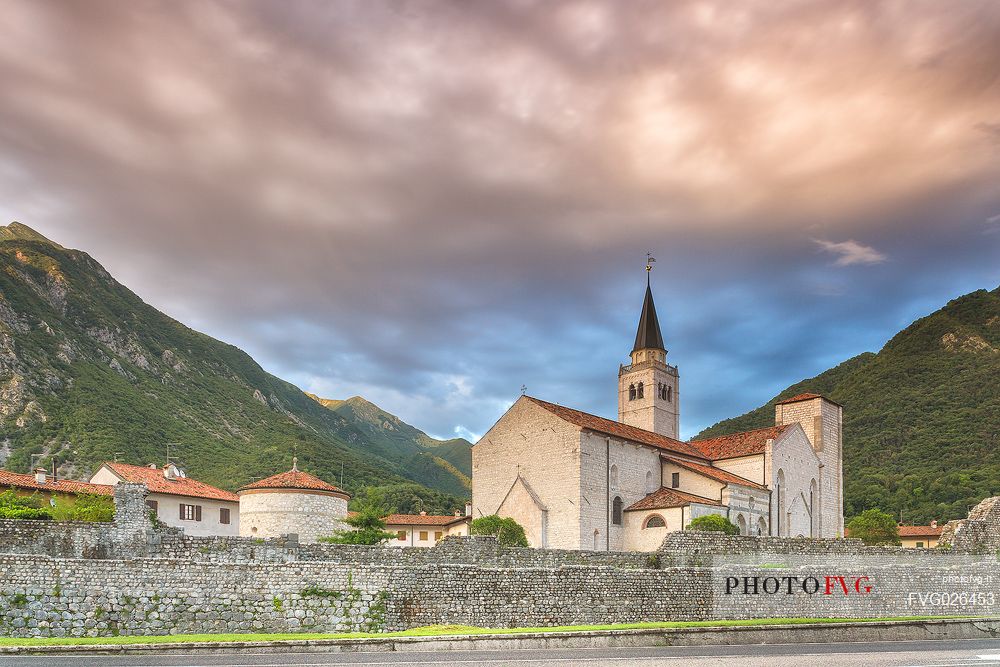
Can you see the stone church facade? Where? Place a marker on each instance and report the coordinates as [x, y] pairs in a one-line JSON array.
[[579, 481]]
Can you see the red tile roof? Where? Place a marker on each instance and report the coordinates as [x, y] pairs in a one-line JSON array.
[[664, 497], [608, 427], [738, 444], [22, 481], [423, 519], [156, 483], [717, 474], [920, 531], [805, 397], [911, 531], [294, 479]]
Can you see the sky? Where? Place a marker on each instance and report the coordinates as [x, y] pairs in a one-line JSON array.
[[433, 203]]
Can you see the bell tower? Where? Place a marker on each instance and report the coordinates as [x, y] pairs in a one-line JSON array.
[[648, 396]]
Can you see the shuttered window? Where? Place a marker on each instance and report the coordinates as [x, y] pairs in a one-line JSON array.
[[190, 512], [224, 515]]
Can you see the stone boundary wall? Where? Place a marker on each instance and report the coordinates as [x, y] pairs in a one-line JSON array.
[[43, 596], [131, 577]]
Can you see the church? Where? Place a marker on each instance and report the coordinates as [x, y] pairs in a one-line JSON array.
[[578, 481]]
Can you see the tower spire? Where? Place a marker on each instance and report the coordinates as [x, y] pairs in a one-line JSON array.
[[648, 336]]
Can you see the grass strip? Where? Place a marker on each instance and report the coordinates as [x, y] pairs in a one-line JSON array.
[[431, 631]]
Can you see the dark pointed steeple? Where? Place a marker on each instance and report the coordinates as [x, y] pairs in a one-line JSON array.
[[648, 336]]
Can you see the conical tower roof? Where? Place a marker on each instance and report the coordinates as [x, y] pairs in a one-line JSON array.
[[648, 336]]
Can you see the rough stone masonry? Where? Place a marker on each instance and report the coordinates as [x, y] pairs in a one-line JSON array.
[[130, 577]]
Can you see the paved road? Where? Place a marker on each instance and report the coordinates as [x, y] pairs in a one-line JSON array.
[[882, 654]]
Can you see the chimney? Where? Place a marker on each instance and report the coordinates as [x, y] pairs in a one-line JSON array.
[[468, 509], [422, 513], [458, 512], [40, 475], [934, 523]]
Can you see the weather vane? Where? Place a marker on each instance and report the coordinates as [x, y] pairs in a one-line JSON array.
[[649, 265], [524, 390]]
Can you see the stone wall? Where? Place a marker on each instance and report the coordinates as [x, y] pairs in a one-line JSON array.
[[140, 579], [979, 533]]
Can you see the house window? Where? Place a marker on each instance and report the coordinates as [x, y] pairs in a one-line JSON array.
[[401, 535], [224, 515], [631, 392], [655, 521], [920, 545], [423, 535], [675, 480], [616, 511], [153, 505], [190, 512], [437, 535], [638, 391]]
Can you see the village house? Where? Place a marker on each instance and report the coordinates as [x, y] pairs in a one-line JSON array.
[[920, 537], [574, 480], [425, 530], [50, 489], [178, 500]]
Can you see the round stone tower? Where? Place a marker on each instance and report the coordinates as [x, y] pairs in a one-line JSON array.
[[292, 502]]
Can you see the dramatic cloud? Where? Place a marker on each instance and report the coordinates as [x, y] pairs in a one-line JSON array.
[[852, 252], [432, 203]]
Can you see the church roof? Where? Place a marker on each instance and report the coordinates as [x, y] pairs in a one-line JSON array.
[[664, 497], [718, 474], [617, 429], [294, 479], [738, 444], [648, 335]]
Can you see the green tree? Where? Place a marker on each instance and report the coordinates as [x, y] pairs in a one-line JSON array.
[[874, 527], [508, 532], [714, 523], [367, 527]]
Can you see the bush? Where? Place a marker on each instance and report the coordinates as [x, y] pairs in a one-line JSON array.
[[508, 532], [874, 527], [368, 527], [13, 506], [714, 523], [85, 507]]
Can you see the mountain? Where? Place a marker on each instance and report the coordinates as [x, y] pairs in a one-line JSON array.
[[921, 417], [89, 372], [439, 464]]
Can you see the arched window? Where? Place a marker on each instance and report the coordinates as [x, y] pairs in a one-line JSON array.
[[742, 523], [614, 477], [761, 526], [638, 391], [649, 481], [616, 511], [631, 392], [597, 540], [655, 521], [670, 394], [663, 391]]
